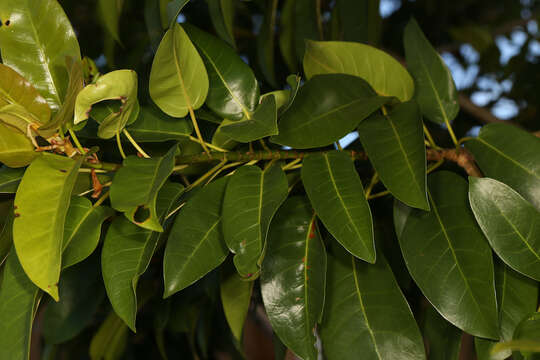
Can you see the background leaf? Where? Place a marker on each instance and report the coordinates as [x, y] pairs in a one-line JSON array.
[[222, 14], [154, 126], [442, 338], [110, 341], [10, 179], [266, 42]]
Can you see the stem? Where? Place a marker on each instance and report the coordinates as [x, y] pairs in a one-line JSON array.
[[180, 167], [465, 139], [380, 194], [135, 145], [451, 132], [373, 182], [101, 199], [76, 141], [228, 166], [291, 164], [197, 131], [119, 143], [429, 137], [207, 174], [435, 166], [213, 147], [264, 146]]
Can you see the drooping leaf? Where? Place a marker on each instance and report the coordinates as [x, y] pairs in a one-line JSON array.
[[251, 200], [109, 13], [443, 339], [235, 297], [82, 230], [449, 258], [385, 74], [435, 89], [336, 193], [357, 294], [293, 277], [263, 123], [109, 342], [327, 108], [154, 126], [195, 245], [10, 179], [360, 20], [14, 89], [38, 231], [286, 36], [126, 254], [120, 85], [81, 292], [511, 224], [510, 155], [266, 42], [395, 146], [19, 299], [35, 44], [233, 91], [178, 79], [16, 149], [135, 187], [222, 15]]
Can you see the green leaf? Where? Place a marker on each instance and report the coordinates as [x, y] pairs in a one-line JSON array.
[[222, 15], [528, 330], [36, 43], [235, 297], [400, 214], [286, 36], [109, 342], [154, 126], [82, 230], [511, 224], [174, 8], [384, 73], [222, 140], [16, 149], [233, 91], [263, 123], [360, 20], [195, 245], [251, 200], [126, 254], [118, 85], [310, 122], [266, 42], [305, 26], [14, 89], [336, 193], [64, 320], [366, 313], [395, 146], [510, 155], [178, 79], [293, 277], [449, 258], [443, 339], [49, 177], [135, 188], [6, 232], [10, 179], [109, 13], [435, 89], [19, 299]]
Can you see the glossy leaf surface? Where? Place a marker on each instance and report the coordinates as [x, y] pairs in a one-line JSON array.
[[36, 43], [234, 91], [235, 297], [135, 188], [293, 277], [385, 74], [510, 155], [178, 79], [326, 108], [336, 193], [395, 146], [449, 258], [435, 89], [196, 245], [366, 313], [251, 200], [126, 254], [38, 231], [154, 126]]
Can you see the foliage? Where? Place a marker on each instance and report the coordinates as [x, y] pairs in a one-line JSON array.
[[198, 185]]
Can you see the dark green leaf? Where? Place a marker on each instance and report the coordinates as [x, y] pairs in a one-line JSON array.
[[528, 330], [10, 179], [510, 223], [135, 188], [251, 200], [449, 258], [195, 245], [336, 193], [306, 26], [286, 36], [266, 42], [360, 20], [110, 341], [395, 146], [400, 214], [222, 15], [310, 122], [435, 89], [366, 313], [6, 232], [154, 126], [510, 155], [109, 13], [293, 277], [442, 338], [234, 91], [174, 8]]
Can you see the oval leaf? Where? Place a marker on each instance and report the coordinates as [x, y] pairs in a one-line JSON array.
[[449, 258], [251, 200], [384, 73], [395, 146], [310, 122], [336, 193], [16, 149], [293, 277]]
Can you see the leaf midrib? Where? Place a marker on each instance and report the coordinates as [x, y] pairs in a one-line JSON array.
[[501, 153]]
